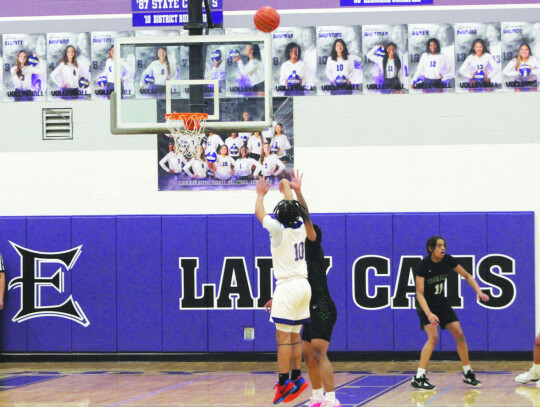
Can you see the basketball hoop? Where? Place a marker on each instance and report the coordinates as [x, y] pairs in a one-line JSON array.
[[187, 130]]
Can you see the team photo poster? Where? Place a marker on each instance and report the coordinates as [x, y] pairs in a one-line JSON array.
[[327, 60], [235, 160]]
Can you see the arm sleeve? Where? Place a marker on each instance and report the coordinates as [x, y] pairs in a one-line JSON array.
[[187, 168], [56, 75], [510, 69], [258, 166], [372, 56], [465, 69], [146, 72], [162, 162], [281, 166], [420, 67]]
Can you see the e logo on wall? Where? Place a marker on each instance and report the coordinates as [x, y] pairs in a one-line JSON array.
[[32, 283]]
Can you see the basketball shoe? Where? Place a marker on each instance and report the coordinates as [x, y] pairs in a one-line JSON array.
[[421, 383], [283, 391], [530, 376], [314, 402], [328, 403], [300, 384], [470, 378]]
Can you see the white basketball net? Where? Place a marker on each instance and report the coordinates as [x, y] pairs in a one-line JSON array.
[[187, 130]]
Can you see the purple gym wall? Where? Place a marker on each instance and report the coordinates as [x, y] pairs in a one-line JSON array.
[[193, 283]]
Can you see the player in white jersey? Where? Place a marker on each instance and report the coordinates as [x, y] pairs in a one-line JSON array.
[[279, 144], [253, 70], [480, 67], [213, 142], [293, 73], [234, 143], [290, 303], [25, 77], [155, 76], [434, 68], [68, 74], [197, 167], [390, 65], [254, 145], [245, 166], [106, 78], [339, 67], [175, 160], [215, 68], [224, 164], [272, 166], [523, 69]]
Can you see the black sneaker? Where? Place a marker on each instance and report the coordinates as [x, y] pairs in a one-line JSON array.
[[421, 383], [470, 378]]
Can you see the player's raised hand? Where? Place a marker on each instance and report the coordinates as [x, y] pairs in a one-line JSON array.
[[483, 297], [263, 185], [296, 180]]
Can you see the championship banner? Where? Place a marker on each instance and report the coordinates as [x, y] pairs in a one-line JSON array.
[[431, 50], [154, 65], [102, 48], [231, 161], [294, 61], [387, 58], [68, 58], [478, 57], [77, 284], [521, 50], [339, 60], [25, 67]]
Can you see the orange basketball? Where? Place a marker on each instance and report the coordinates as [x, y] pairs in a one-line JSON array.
[[266, 19]]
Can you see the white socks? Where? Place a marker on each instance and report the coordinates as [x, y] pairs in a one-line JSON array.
[[318, 394], [536, 368], [466, 369], [331, 396], [420, 372]]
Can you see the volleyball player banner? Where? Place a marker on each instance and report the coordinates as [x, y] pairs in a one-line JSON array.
[[520, 56], [103, 55], [387, 58], [68, 59], [478, 57], [25, 67], [235, 160], [294, 61], [431, 50], [339, 60]]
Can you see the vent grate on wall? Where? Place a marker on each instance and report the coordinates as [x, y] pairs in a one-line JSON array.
[[58, 124]]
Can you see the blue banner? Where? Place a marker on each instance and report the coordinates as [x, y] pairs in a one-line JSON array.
[[169, 5], [170, 19], [360, 3]]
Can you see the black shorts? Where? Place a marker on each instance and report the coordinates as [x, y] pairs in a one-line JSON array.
[[319, 327], [444, 312]]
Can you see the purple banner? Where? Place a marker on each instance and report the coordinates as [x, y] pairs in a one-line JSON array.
[[170, 19], [370, 3], [174, 283]]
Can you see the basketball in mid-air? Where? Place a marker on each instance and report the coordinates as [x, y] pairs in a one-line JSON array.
[[266, 19]]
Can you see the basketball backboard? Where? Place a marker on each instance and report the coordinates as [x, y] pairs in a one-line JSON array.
[[226, 76]]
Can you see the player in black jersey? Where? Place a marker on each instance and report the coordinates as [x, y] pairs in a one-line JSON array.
[[433, 308], [323, 313]]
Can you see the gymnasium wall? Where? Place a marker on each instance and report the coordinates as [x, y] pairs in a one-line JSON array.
[[194, 283], [366, 159]]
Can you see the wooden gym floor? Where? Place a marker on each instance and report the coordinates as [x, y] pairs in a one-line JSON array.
[[168, 384]]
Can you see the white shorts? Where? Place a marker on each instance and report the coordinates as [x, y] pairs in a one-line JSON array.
[[290, 305]]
